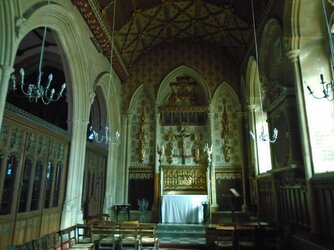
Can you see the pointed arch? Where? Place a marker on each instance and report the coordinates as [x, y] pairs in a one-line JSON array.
[[226, 88], [182, 70], [140, 93], [252, 82], [107, 82], [62, 22]]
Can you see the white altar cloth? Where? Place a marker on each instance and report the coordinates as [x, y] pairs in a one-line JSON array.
[[182, 208]]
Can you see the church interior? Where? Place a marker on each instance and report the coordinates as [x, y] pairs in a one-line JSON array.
[[120, 119]]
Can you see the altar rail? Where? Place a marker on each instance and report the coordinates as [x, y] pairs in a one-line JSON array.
[[184, 179]]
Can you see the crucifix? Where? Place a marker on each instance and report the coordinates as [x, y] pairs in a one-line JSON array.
[[182, 136]]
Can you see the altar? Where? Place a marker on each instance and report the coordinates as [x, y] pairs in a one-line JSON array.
[[182, 208]]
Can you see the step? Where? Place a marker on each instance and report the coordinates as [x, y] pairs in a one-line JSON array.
[[181, 234]]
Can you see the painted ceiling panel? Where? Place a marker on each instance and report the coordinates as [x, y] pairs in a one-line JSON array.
[[141, 25]]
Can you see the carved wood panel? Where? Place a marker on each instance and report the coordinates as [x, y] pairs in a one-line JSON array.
[[184, 179], [33, 160]]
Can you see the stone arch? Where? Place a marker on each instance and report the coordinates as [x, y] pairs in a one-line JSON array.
[[252, 82], [271, 58], [105, 83], [62, 22], [140, 92]]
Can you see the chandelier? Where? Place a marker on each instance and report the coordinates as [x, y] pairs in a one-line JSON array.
[[263, 136], [93, 135], [106, 138], [38, 91], [327, 88]]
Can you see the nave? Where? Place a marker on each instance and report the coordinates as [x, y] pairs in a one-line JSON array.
[[147, 105], [99, 233]]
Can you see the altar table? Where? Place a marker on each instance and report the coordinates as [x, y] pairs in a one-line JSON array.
[[182, 208]]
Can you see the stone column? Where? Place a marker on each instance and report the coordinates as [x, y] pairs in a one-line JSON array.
[[253, 161], [126, 151], [112, 181], [245, 167], [157, 170], [72, 210], [293, 56], [5, 72], [213, 205]]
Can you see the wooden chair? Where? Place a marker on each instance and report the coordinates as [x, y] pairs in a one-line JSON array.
[[129, 235], [51, 241], [107, 235], [69, 240], [40, 243], [83, 234], [147, 236]]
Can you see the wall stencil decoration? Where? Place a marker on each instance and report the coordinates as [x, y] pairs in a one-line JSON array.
[[226, 127], [225, 135], [141, 135]]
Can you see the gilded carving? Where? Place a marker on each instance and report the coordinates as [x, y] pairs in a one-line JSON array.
[[225, 124], [227, 150], [184, 178], [141, 134], [182, 92], [169, 151], [225, 135], [169, 137]]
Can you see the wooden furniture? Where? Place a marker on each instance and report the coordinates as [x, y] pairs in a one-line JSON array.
[[220, 236], [122, 207], [129, 235], [69, 239], [147, 236], [106, 234]]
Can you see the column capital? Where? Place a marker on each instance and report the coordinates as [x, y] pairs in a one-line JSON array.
[[5, 71], [293, 55], [251, 107]]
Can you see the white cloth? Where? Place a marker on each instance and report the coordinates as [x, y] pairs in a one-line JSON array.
[[182, 208]]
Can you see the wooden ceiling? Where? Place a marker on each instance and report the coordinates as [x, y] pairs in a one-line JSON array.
[[140, 25]]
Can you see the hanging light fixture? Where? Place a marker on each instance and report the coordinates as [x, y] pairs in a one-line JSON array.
[[327, 87], [38, 91], [93, 135], [263, 136]]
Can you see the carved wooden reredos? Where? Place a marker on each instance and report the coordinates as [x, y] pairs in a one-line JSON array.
[[179, 118], [183, 134]]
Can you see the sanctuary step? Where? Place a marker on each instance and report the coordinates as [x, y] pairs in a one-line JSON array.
[[181, 236]]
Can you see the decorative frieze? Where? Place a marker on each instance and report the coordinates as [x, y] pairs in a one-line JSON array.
[[184, 178]]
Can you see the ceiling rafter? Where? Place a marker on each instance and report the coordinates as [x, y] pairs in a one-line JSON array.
[[166, 21]]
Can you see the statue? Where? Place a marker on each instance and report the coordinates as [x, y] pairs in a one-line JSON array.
[[208, 151]]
